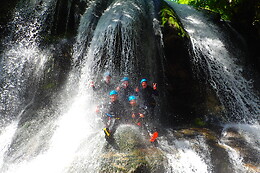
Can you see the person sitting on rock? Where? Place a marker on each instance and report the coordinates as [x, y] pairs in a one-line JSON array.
[[135, 112]]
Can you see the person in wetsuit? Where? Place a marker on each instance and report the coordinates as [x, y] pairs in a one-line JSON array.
[[125, 90], [138, 114], [105, 85], [112, 114], [135, 113], [146, 94]]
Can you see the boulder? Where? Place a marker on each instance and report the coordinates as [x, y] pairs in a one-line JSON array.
[[131, 151]]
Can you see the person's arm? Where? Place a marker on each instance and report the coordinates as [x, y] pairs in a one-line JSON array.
[[118, 88], [155, 91], [93, 86], [101, 108], [142, 112], [137, 90]]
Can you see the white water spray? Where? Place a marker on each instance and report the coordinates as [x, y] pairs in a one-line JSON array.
[[23, 61], [192, 156], [71, 139], [213, 54]]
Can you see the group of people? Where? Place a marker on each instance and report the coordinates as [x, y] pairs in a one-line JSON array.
[[126, 104]]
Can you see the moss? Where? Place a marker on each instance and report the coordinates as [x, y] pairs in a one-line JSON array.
[[49, 86], [134, 154], [169, 18], [192, 132], [138, 160], [199, 122], [123, 162]]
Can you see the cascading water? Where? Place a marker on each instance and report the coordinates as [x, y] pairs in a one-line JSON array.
[[120, 36], [22, 61], [214, 55], [215, 58], [193, 152], [72, 142], [127, 35], [23, 64]]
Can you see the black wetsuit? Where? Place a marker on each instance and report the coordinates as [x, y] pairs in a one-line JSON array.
[[117, 111], [136, 110], [124, 93], [147, 99]]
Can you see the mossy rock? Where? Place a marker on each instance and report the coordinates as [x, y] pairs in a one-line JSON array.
[[193, 132], [134, 154], [168, 17], [129, 137]]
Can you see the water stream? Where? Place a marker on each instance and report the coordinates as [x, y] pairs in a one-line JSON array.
[[216, 58], [123, 37]]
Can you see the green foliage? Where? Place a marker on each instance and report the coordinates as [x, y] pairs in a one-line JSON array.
[[234, 10], [168, 17], [223, 7]]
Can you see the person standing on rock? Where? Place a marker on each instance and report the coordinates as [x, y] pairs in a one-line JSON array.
[[112, 114], [105, 86], [125, 90], [138, 113], [146, 94]]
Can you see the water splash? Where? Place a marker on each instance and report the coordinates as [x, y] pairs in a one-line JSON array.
[[117, 39], [214, 58], [23, 62], [6, 135], [186, 155], [242, 145]]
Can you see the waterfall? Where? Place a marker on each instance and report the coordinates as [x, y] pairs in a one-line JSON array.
[[66, 136], [216, 59], [116, 46], [63, 133], [22, 61]]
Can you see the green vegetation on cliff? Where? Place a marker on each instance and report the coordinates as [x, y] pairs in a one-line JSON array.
[[234, 10], [169, 17]]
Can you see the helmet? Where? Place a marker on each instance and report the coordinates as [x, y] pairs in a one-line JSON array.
[[113, 92], [143, 80], [131, 98], [107, 74], [125, 79]]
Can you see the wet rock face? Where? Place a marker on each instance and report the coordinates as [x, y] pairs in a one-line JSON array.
[[238, 140], [67, 16], [179, 77], [129, 138], [188, 95], [134, 153], [215, 147], [231, 150]]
